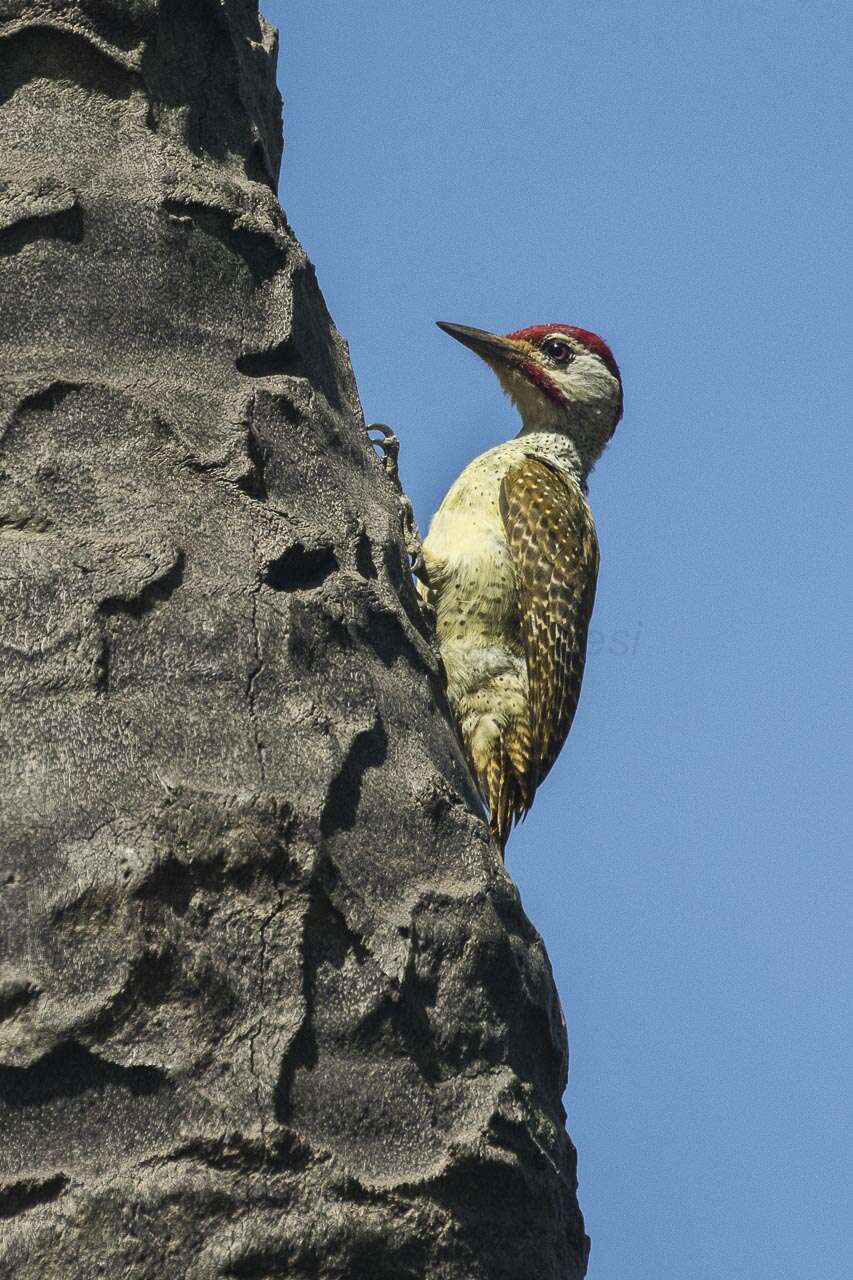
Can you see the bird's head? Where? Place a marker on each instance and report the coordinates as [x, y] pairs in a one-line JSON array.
[[560, 378]]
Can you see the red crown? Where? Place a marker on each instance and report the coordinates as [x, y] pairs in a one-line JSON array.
[[591, 341]]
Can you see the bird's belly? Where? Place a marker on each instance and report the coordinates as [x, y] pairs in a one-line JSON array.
[[474, 592], [475, 595], [484, 680]]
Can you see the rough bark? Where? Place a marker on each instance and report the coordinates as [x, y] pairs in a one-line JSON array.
[[269, 1005]]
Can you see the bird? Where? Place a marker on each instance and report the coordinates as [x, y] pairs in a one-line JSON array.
[[510, 562]]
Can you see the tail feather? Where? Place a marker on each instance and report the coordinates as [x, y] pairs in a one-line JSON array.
[[507, 785]]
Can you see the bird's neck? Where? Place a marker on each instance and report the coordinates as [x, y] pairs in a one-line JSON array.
[[584, 429], [555, 447]]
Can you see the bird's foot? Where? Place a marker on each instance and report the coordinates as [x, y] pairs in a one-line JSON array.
[[389, 446], [412, 537]]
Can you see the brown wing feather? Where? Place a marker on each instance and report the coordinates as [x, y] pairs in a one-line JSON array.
[[554, 548]]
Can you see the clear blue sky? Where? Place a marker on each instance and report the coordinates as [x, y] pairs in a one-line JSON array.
[[671, 176]]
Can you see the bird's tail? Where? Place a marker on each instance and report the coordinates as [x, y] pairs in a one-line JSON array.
[[508, 786]]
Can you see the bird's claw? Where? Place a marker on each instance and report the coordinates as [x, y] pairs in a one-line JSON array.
[[389, 445], [390, 448], [411, 535]]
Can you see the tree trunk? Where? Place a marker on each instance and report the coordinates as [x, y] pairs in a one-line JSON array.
[[269, 1005]]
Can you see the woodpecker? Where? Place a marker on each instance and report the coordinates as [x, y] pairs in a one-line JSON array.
[[510, 562]]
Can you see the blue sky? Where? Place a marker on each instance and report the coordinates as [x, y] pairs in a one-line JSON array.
[[671, 176]]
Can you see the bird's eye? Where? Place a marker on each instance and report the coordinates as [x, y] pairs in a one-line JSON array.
[[559, 351]]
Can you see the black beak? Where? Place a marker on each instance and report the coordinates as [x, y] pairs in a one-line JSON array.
[[491, 346]]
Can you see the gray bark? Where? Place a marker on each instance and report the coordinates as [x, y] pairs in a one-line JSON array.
[[269, 1004]]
